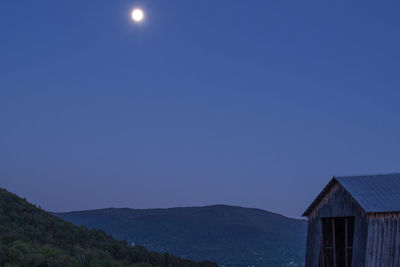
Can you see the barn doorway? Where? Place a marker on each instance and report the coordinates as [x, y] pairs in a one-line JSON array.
[[337, 241]]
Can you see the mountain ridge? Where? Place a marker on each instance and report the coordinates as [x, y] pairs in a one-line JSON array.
[[177, 208], [230, 235]]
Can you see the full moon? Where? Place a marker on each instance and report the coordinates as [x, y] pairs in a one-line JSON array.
[[137, 15]]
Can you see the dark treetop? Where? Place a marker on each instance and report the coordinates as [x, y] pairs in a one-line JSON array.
[[30, 236]]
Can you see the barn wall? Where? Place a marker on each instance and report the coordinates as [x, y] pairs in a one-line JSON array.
[[383, 243], [336, 203]]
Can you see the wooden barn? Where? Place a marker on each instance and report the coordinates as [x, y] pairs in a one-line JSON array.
[[355, 221]]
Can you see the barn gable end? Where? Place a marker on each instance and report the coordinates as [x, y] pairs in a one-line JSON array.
[[336, 202]]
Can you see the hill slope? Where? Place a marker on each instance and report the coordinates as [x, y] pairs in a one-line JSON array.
[[30, 236], [233, 236]]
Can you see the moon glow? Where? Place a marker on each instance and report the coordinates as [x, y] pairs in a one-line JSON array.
[[137, 15]]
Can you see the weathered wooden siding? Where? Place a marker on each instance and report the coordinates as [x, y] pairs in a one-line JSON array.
[[383, 243], [336, 203]]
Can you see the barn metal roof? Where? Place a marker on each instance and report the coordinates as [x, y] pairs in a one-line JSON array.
[[374, 193]]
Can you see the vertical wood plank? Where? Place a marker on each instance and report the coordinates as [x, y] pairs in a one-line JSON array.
[[334, 243]]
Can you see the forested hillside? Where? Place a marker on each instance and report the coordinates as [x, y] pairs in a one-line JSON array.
[[232, 236], [30, 236]]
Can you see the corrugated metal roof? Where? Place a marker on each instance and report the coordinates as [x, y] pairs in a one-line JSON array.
[[374, 193]]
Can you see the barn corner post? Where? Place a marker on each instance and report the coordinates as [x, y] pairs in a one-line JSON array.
[[313, 251]]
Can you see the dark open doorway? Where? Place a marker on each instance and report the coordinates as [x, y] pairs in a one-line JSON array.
[[337, 241]]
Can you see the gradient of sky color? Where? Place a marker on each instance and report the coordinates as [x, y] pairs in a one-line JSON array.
[[251, 103]]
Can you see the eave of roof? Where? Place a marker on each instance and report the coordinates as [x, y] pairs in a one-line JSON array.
[[374, 193], [320, 196]]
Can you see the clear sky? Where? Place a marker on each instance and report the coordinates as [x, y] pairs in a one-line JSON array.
[[252, 103]]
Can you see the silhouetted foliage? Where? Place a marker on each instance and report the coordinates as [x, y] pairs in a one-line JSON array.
[[30, 236]]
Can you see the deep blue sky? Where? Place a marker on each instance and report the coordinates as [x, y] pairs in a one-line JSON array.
[[250, 103]]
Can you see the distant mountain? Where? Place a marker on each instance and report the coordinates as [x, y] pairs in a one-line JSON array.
[[232, 236], [30, 236]]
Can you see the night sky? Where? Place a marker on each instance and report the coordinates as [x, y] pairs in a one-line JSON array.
[[251, 103]]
